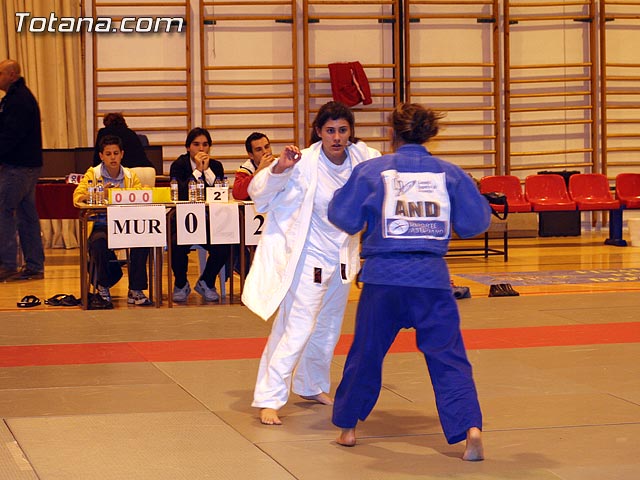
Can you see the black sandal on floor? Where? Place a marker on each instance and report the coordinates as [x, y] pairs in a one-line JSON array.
[[29, 301], [62, 300], [56, 300]]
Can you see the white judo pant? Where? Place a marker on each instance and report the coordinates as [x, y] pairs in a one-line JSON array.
[[305, 331]]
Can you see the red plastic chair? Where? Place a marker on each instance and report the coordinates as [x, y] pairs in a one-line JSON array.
[[628, 189], [590, 191], [547, 193], [510, 186]]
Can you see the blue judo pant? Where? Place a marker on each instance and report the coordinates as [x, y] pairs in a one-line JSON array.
[[382, 311]]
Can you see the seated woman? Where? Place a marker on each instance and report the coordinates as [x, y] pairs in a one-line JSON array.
[[104, 272]]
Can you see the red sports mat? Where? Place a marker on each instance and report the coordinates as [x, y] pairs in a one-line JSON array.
[[239, 348]]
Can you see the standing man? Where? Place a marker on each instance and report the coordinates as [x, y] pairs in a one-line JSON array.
[[20, 167], [260, 156]]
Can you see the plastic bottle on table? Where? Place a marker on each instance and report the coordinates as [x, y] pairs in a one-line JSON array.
[[193, 192], [99, 194], [174, 189], [92, 193], [200, 185]]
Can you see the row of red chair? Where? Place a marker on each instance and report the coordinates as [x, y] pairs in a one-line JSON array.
[[549, 192]]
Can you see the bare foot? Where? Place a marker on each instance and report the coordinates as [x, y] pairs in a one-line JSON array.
[[269, 416], [474, 451], [347, 437], [322, 398]]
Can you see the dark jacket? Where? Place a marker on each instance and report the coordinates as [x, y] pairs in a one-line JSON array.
[[134, 155], [181, 170], [20, 130]]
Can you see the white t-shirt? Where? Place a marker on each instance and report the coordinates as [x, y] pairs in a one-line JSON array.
[[325, 239]]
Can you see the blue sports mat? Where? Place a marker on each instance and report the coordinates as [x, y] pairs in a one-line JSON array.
[[555, 277]]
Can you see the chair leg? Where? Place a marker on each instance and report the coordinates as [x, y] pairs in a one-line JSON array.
[[202, 258], [222, 274], [151, 265], [505, 246], [486, 244]]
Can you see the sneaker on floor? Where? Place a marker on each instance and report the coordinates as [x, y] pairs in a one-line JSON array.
[[104, 293], [181, 294], [137, 297], [461, 292], [209, 294], [27, 274]]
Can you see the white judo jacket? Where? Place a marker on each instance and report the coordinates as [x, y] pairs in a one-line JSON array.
[[287, 198]]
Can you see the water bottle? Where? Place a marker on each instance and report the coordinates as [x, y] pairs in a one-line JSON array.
[[174, 189], [92, 193], [99, 194], [200, 185], [217, 182], [225, 182], [193, 192]]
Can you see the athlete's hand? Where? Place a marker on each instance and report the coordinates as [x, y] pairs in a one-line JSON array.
[[290, 156]]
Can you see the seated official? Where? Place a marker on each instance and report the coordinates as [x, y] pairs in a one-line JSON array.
[[260, 155], [258, 149], [104, 270], [192, 165]]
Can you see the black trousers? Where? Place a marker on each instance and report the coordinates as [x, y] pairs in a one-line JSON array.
[[104, 268], [218, 256]]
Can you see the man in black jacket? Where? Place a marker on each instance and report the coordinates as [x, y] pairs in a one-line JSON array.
[[20, 167], [194, 164]]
